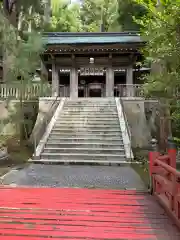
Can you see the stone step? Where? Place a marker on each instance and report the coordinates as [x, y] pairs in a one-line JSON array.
[[83, 144], [110, 107], [90, 106], [85, 130], [93, 104], [83, 138], [83, 157], [94, 117], [89, 118], [82, 115], [90, 109], [88, 112], [74, 112], [85, 126], [86, 121], [87, 135], [90, 99], [84, 150], [106, 162]]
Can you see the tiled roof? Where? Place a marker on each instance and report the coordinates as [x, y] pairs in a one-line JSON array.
[[91, 38]]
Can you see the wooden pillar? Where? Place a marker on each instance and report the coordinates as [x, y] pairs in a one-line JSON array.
[[73, 80], [129, 81], [110, 79], [55, 80]]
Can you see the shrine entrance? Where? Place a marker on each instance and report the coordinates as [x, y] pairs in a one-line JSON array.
[[91, 86], [95, 93], [91, 82]]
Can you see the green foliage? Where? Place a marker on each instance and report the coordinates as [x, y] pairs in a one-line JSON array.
[[65, 17], [30, 111], [114, 15], [177, 142], [22, 116], [94, 13], [87, 17], [24, 14], [91, 15], [127, 11], [22, 60], [176, 119], [160, 28], [21, 57], [110, 15]]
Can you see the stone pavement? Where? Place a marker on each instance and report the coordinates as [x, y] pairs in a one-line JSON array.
[[112, 177]]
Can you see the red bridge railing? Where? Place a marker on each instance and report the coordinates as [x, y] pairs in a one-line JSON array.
[[165, 179]]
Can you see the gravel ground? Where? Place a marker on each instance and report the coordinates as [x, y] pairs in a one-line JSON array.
[[75, 176]]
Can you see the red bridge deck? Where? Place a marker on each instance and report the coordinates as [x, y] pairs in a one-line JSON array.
[[41, 213]]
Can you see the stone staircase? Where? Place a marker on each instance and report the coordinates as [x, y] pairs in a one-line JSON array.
[[85, 131]]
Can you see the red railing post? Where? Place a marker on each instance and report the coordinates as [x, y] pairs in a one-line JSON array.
[[153, 154], [172, 163], [172, 152]]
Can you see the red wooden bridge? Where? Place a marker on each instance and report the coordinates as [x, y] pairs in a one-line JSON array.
[[67, 213]]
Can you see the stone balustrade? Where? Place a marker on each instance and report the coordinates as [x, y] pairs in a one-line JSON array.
[[45, 90]]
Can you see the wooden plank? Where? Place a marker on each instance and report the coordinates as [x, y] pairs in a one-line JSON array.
[[41, 213]]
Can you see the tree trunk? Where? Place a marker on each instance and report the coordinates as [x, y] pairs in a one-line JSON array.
[[47, 12], [165, 124], [10, 10]]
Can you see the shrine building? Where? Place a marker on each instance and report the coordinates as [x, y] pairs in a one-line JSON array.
[[92, 64]]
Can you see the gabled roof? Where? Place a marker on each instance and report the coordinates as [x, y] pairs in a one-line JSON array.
[[55, 38]]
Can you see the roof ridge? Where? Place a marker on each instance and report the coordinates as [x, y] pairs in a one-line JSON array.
[[88, 34]]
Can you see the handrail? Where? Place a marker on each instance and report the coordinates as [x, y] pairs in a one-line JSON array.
[[126, 135], [126, 120], [48, 130], [44, 122], [55, 100], [166, 180], [167, 167]]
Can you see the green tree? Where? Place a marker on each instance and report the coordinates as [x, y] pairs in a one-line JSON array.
[[130, 10], [22, 14], [110, 15], [65, 17], [160, 28], [127, 10], [23, 62], [95, 13]]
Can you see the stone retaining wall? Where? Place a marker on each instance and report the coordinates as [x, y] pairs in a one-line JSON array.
[[142, 120]]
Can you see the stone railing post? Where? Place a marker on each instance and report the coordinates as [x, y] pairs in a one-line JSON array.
[[129, 81], [153, 154]]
